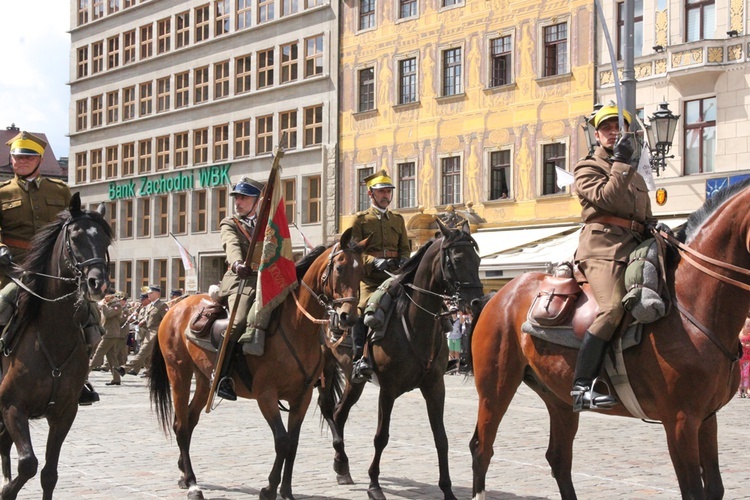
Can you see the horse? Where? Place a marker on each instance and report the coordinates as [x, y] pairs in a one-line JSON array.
[[412, 354], [683, 371], [291, 364], [46, 364]]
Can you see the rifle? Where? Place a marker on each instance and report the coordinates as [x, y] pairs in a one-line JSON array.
[[260, 230]]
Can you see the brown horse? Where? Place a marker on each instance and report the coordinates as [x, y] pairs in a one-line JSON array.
[[412, 354], [291, 364], [46, 365], [683, 371]]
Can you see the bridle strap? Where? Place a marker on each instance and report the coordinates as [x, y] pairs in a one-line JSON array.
[[708, 333], [724, 265]]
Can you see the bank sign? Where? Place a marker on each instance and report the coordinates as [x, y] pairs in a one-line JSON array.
[[170, 183]]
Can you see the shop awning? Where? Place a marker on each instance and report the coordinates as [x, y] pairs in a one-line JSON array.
[[495, 241]]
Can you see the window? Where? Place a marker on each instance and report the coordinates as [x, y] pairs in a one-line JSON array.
[[366, 86], [160, 265], [221, 142], [113, 107], [221, 17], [201, 23], [162, 153], [452, 66], [314, 56], [288, 126], [97, 10], [366, 14], [221, 79], [97, 57], [553, 156], [181, 90], [407, 8], [500, 175], [81, 167], [128, 3], [126, 269], [113, 6], [143, 272], [309, 4], [180, 149], [700, 136], [289, 56], [82, 113], [407, 80], [555, 49], [147, 41], [407, 185], [200, 146], [127, 226], [182, 30], [637, 29], [200, 80], [242, 70], [449, 3], [112, 162], [265, 68], [113, 52], [112, 217], [128, 103], [312, 197], [244, 13], [501, 61], [219, 207], [363, 199], [96, 165], [265, 10], [313, 125], [83, 62], [201, 211], [181, 213], [144, 217], [178, 270], [162, 94], [450, 171], [96, 111], [144, 156], [289, 188], [161, 228], [700, 19], [83, 12], [289, 7], [128, 159], [265, 135], [147, 92], [128, 47], [242, 139], [163, 36]]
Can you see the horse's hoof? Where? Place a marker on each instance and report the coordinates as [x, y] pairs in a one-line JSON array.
[[182, 484], [340, 467], [195, 493], [344, 478], [375, 494], [267, 494], [286, 495], [450, 496]]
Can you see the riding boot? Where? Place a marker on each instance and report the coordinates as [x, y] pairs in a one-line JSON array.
[[361, 367], [225, 389], [88, 395], [590, 359]]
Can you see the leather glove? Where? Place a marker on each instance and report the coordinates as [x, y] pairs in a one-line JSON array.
[[6, 259], [380, 264], [660, 226], [624, 148], [393, 264], [242, 271]]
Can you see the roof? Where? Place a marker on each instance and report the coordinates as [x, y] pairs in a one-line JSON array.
[[49, 168]]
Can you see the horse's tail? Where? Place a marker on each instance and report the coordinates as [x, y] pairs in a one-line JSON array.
[[330, 394], [476, 309], [158, 382]]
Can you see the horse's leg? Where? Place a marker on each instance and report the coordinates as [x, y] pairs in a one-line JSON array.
[[5, 444], [350, 396], [563, 424], [385, 408], [434, 395], [682, 439], [268, 405], [58, 430], [709, 456], [186, 415], [294, 425], [18, 427]]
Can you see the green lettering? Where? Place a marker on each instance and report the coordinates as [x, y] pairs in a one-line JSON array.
[[145, 187], [203, 177], [225, 175]]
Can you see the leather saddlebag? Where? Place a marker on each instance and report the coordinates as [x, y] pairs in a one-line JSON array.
[[208, 312], [555, 301]]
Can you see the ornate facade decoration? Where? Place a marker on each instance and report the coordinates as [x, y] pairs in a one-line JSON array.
[[737, 15]]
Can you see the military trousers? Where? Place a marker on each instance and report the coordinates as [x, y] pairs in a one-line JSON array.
[[607, 281]]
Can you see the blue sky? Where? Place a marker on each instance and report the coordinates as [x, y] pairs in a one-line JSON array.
[[36, 53]]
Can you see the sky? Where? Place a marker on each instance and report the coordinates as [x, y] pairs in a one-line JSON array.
[[34, 94]]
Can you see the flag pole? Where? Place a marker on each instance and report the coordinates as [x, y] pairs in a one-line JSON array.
[[258, 233]]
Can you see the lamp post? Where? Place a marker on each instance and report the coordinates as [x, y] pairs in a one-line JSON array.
[[589, 131], [660, 131]]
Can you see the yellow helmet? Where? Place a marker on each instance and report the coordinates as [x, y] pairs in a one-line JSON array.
[[27, 144], [607, 112], [379, 180]]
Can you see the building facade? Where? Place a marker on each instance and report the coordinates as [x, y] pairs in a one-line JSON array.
[[173, 101]]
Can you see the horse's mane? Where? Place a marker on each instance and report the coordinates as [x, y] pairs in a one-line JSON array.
[[305, 262], [697, 218]]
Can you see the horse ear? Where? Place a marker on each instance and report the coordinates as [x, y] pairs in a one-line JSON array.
[[75, 203], [102, 209], [443, 228], [465, 227], [346, 238]]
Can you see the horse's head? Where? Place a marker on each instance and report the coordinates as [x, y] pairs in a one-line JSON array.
[[456, 265]]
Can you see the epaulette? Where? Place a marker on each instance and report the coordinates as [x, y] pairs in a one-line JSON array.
[[5, 183], [397, 214], [362, 213], [57, 181]]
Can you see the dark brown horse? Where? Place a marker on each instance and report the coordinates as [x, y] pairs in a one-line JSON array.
[[413, 354], [46, 365], [683, 371], [292, 362]]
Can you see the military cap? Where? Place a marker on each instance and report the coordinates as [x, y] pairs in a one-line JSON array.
[[26, 144], [379, 180], [247, 187], [607, 112], [144, 289], [154, 288], [175, 293], [144, 296]]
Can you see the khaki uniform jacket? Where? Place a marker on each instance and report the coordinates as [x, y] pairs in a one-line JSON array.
[[27, 206], [155, 312], [610, 189], [388, 239], [236, 246], [111, 319]]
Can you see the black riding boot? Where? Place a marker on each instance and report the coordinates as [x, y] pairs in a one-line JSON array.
[[88, 395], [590, 359], [225, 390], [361, 367]]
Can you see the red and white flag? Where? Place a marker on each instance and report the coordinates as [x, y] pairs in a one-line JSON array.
[[187, 259]]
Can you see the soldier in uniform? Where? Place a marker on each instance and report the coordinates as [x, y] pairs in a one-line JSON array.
[[28, 202], [388, 248], [616, 212], [152, 316], [236, 234], [111, 309]]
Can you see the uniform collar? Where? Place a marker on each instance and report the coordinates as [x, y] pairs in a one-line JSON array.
[[377, 212], [26, 184]]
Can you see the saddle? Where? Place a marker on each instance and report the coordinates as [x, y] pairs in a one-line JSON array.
[[563, 299], [208, 312]]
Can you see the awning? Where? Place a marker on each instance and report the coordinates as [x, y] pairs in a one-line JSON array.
[[494, 241]]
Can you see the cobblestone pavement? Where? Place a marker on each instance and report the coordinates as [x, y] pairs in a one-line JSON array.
[[117, 450]]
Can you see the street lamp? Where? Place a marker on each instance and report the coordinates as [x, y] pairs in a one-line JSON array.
[[589, 131], [660, 130]]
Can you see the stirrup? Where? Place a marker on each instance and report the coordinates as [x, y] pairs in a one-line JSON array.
[[225, 390], [586, 398], [361, 371]]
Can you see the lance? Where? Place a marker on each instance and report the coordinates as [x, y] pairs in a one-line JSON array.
[[613, 59]]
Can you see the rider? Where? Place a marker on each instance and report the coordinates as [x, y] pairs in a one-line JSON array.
[[387, 250], [616, 211], [28, 202], [236, 235]]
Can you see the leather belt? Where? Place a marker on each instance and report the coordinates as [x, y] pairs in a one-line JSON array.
[[15, 243], [386, 254], [618, 221]]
